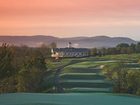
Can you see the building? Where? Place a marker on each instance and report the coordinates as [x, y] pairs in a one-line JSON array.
[[70, 52]]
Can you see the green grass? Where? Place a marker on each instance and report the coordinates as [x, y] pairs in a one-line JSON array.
[[84, 75], [90, 64], [55, 65], [87, 76], [85, 81], [132, 65], [86, 84], [81, 79], [80, 70], [86, 90], [126, 57], [87, 72], [68, 99]]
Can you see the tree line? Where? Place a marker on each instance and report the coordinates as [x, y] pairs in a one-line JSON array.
[[122, 48]]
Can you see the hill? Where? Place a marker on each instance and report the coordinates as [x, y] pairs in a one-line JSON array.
[[86, 42]]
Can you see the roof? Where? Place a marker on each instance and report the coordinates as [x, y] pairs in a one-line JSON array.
[[71, 50]]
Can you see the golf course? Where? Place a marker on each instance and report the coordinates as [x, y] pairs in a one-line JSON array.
[[80, 82], [85, 76]]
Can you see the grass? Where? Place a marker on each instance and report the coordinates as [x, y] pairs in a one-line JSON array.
[[86, 72], [81, 70], [68, 99], [55, 65], [85, 81], [86, 90], [90, 64], [80, 81], [81, 76], [78, 76], [132, 65], [126, 57], [86, 84]]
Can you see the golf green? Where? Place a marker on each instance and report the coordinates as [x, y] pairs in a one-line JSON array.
[[68, 99]]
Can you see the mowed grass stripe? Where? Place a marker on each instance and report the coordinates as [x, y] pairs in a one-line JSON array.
[[85, 84], [85, 81], [86, 64], [81, 70], [132, 65], [78, 74], [89, 90], [86, 76]]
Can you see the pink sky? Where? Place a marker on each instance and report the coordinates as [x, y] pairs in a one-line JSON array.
[[70, 17]]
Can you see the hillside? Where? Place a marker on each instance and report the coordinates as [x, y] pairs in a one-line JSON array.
[[86, 42]]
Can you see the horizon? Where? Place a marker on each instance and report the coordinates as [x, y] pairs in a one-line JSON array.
[[73, 18], [70, 36]]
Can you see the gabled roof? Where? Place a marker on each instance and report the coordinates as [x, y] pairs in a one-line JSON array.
[[71, 50]]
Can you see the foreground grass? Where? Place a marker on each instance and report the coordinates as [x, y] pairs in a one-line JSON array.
[[68, 99]]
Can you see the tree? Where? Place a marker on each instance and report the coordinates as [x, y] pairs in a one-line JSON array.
[[123, 45], [103, 51], [6, 57], [93, 52], [53, 45], [117, 73], [133, 80], [133, 48], [31, 74], [7, 69], [138, 47]]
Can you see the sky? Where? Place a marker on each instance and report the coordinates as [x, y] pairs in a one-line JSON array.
[[70, 18]]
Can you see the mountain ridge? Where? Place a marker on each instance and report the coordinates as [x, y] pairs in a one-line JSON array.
[[83, 41]]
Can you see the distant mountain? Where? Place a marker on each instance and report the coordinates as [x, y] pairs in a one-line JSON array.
[[85, 42]]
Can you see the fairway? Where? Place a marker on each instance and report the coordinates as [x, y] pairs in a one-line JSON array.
[[82, 83], [85, 77], [67, 99]]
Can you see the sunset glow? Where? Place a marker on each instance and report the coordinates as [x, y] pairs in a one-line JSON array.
[[65, 18]]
